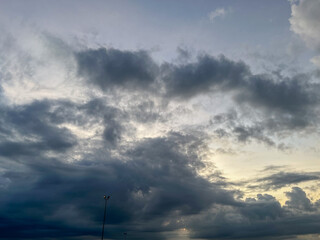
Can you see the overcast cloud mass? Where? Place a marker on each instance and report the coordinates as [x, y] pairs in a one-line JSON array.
[[199, 119]]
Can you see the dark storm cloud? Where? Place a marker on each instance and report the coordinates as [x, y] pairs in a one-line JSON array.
[[209, 74], [156, 182], [283, 179], [260, 218], [112, 132], [285, 101], [108, 68], [36, 127], [205, 75], [286, 95], [29, 128], [298, 200]]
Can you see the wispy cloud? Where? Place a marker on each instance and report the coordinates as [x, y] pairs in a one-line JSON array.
[[218, 13]]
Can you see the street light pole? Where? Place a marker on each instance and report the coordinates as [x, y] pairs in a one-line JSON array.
[[104, 216], [125, 235]]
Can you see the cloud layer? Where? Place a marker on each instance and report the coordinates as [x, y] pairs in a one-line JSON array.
[[60, 155]]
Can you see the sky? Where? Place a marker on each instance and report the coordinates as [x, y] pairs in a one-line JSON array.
[[200, 119]]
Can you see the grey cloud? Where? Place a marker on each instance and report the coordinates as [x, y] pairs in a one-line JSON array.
[[259, 218], [227, 151], [146, 110], [203, 76], [229, 125], [36, 127], [298, 200], [221, 133], [183, 54], [108, 68], [118, 121], [113, 130], [266, 128], [244, 134], [263, 208], [283, 104], [273, 168], [28, 128], [289, 96], [282, 179]]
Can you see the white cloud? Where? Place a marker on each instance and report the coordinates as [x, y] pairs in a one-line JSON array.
[[316, 61], [219, 12], [305, 21], [37, 66]]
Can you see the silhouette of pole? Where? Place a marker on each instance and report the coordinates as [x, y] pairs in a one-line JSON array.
[[104, 216], [125, 235]]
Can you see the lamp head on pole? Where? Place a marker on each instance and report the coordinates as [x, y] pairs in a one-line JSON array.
[[106, 197]]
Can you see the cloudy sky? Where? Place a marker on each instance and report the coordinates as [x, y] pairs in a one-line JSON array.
[[199, 118]]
